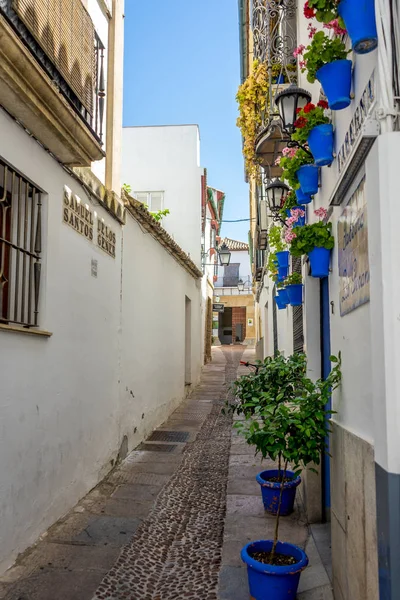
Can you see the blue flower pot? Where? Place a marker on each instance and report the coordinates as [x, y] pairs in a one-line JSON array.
[[335, 78], [283, 258], [308, 179], [280, 79], [295, 294], [279, 302], [268, 582], [270, 491], [283, 272], [284, 296], [320, 141], [319, 261], [301, 220], [359, 18], [302, 197]]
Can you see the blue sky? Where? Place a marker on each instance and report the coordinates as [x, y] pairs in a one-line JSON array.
[[182, 66]]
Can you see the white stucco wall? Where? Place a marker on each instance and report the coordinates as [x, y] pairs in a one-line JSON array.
[[167, 159], [65, 401]]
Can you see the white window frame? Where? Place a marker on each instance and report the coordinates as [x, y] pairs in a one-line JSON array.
[[149, 198]]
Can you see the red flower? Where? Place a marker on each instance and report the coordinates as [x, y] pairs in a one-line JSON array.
[[323, 104], [300, 123], [309, 13], [308, 107], [298, 110]]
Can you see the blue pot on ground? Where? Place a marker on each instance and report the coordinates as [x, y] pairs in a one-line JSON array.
[[283, 258], [319, 261], [302, 197], [308, 179], [269, 582], [284, 296], [320, 141], [280, 304], [283, 272], [359, 18], [335, 78], [295, 294], [270, 491]]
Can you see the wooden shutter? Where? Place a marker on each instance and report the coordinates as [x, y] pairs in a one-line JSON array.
[[65, 31]]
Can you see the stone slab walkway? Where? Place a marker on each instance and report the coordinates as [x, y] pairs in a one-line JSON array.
[[170, 521]]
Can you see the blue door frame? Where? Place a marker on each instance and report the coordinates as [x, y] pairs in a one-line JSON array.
[[325, 370]]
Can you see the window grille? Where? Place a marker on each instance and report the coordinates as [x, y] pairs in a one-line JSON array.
[[20, 248]]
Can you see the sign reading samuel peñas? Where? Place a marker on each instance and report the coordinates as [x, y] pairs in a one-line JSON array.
[[353, 253], [82, 219]]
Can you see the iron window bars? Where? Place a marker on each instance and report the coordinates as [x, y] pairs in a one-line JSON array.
[[20, 248]]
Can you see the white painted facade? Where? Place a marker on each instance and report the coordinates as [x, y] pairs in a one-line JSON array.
[[167, 159], [106, 377]]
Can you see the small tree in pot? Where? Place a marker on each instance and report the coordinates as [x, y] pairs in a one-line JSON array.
[[292, 433]]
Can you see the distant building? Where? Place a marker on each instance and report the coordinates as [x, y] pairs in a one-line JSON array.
[[233, 289]]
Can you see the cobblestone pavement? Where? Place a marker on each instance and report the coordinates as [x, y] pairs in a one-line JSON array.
[[170, 504], [170, 521]]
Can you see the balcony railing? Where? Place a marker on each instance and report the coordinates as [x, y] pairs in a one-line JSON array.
[[275, 39], [68, 50]]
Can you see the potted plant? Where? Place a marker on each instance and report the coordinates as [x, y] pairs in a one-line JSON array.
[[357, 16], [325, 59], [314, 128], [297, 218], [289, 204], [294, 289], [279, 246], [299, 170], [293, 433], [315, 240]]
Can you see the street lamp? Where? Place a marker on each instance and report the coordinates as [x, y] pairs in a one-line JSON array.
[[240, 285], [288, 102], [276, 192], [224, 255]]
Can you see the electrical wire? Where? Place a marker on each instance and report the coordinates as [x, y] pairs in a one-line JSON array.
[[233, 221]]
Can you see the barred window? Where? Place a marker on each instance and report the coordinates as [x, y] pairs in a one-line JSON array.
[[20, 248]]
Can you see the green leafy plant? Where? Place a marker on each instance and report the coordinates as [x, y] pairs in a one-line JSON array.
[[289, 423], [321, 51], [315, 235], [159, 214], [275, 239], [309, 117], [294, 279], [292, 163], [289, 203], [272, 263], [324, 11], [127, 188]]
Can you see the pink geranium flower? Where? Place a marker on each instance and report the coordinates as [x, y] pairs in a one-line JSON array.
[[321, 213], [334, 25], [299, 50]]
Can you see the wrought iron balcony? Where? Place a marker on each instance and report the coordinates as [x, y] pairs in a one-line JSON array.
[[69, 53], [275, 39]]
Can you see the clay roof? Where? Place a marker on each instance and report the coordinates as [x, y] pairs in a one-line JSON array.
[[234, 244]]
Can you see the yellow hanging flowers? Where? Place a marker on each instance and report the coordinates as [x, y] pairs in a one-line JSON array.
[[252, 98]]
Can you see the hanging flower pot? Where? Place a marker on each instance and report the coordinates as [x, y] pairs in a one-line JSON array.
[[295, 294], [359, 18], [283, 295], [319, 261], [335, 78], [282, 273], [283, 258], [270, 491], [280, 304], [271, 582], [320, 141], [308, 179], [302, 197]]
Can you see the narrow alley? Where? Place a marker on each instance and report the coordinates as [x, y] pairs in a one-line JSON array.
[[170, 520]]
